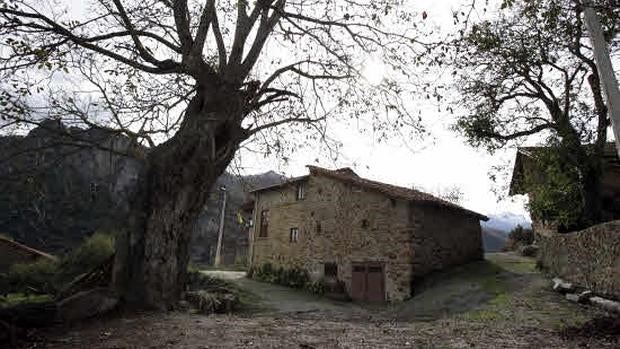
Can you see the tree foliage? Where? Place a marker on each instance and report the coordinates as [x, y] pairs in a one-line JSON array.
[[134, 66], [195, 81], [527, 75]]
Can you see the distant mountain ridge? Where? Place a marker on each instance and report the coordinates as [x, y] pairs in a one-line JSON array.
[[495, 231], [56, 189]]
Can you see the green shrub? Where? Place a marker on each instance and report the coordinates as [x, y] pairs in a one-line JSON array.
[[49, 277], [295, 277], [95, 250], [316, 287], [518, 237], [39, 277]]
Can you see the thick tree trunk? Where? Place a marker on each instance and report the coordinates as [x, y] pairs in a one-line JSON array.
[[152, 257]]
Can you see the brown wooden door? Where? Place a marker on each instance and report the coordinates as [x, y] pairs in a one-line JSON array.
[[367, 282], [358, 282], [374, 283]]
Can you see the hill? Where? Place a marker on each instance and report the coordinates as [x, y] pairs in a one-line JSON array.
[[60, 184]]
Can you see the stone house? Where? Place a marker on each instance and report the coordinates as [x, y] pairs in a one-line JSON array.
[[12, 252], [526, 170], [375, 239]]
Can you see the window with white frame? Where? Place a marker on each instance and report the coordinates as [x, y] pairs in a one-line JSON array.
[[294, 235], [301, 191]]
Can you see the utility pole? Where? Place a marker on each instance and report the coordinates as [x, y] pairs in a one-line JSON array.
[[220, 234], [605, 69]]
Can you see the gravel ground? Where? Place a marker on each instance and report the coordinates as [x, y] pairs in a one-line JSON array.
[[499, 303], [184, 331]]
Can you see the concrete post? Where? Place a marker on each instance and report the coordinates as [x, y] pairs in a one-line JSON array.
[[606, 71]]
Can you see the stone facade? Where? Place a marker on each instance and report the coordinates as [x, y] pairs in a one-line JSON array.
[[589, 258], [343, 223]]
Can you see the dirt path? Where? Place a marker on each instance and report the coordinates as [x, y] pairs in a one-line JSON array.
[[499, 303]]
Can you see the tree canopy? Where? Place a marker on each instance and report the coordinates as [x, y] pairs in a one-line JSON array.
[[527, 75], [134, 66]]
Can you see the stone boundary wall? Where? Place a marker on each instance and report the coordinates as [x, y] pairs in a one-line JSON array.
[[589, 258]]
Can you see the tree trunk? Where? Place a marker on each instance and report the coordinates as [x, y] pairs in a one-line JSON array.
[[152, 257]]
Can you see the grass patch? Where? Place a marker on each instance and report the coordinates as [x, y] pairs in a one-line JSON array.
[[12, 299]]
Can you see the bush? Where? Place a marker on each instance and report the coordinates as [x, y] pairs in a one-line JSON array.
[[518, 237], [39, 277], [95, 250], [316, 287], [49, 277], [296, 277]]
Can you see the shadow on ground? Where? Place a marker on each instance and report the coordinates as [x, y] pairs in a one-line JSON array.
[[472, 287]]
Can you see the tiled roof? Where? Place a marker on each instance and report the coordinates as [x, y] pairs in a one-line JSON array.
[[279, 185], [393, 191]]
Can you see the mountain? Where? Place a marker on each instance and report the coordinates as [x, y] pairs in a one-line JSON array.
[[60, 184], [235, 237], [495, 231], [55, 188]]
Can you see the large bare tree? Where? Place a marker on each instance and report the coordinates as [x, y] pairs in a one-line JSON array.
[[193, 81]]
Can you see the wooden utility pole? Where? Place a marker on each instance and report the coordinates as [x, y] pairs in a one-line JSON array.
[[605, 69], [220, 234]]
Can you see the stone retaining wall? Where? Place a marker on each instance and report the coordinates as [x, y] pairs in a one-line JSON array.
[[589, 258]]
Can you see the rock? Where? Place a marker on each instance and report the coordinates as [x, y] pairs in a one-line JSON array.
[[584, 297], [561, 286], [528, 250], [606, 304], [183, 305], [573, 297], [87, 304]]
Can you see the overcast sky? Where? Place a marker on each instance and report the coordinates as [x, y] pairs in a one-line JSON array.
[[440, 161]]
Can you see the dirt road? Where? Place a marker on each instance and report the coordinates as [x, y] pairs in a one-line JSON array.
[[502, 302]]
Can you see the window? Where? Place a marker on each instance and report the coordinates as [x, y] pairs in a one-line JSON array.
[[301, 191], [330, 270], [264, 223], [365, 223], [294, 235]]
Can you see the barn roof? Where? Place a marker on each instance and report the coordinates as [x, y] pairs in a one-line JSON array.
[[26, 249], [347, 175]]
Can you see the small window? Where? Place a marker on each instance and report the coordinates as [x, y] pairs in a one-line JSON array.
[[264, 223], [301, 191], [330, 270], [365, 223], [318, 227], [294, 235]]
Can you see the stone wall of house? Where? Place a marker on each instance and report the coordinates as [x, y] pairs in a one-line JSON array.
[[443, 238], [338, 223], [589, 258]]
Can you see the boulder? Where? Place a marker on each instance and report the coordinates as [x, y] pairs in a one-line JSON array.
[[562, 286], [584, 297], [606, 304], [87, 304], [573, 297]]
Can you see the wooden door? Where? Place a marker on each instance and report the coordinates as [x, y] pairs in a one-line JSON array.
[[374, 283], [367, 282], [358, 282]]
